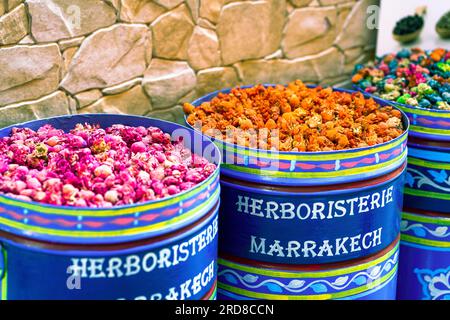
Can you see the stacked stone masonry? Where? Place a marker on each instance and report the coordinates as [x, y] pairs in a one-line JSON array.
[[148, 57]]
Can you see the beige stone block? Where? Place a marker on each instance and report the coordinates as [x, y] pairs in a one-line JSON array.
[[13, 26], [171, 34], [354, 30], [68, 43], [309, 31], [108, 57], [133, 101], [210, 80], [52, 20], [54, 104], [33, 73], [167, 81], [250, 30], [140, 11], [278, 71], [121, 87], [203, 49], [210, 9], [87, 97]]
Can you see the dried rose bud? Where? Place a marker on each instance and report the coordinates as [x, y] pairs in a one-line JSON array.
[[103, 171], [112, 196], [138, 147], [92, 167]]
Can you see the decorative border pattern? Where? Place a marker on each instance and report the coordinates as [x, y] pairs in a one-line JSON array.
[[306, 168], [435, 283], [425, 230], [112, 225], [427, 182], [104, 227], [275, 284]]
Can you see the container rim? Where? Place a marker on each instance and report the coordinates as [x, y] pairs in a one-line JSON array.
[[119, 207], [335, 189], [209, 96]]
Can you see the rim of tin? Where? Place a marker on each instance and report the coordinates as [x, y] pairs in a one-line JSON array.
[[23, 124], [432, 214], [289, 268], [196, 103], [49, 209], [304, 190]]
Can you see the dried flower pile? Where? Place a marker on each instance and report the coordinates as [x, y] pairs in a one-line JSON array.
[[296, 118], [95, 167], [414, 77]]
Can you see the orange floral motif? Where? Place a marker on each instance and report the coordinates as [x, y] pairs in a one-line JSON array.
[[297, 118]]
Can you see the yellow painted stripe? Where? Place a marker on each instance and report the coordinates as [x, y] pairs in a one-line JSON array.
[[5, 277], [302, 275], [427, 219], [337, 295], [328, 174], [214, 294], [426, 242], [426, 194], [314, 156], [425, 112], [429, 164], [134, 231], [106, 212]]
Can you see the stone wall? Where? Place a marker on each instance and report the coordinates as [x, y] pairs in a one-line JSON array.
[[147, 57]]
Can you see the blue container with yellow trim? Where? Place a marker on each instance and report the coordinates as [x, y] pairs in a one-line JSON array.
[[300, 209], [162, 249], [424, 270], [428, 178], [425, 250]]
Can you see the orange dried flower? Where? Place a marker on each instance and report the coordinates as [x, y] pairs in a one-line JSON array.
[[306, 119]]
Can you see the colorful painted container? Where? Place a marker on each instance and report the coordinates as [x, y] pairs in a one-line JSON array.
[[424, 270], [428, 178], [372, 278], [163, 249], [304, 210]]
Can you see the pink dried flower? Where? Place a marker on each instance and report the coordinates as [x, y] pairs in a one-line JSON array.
[[103, 171], [112, 196], [138, 147]]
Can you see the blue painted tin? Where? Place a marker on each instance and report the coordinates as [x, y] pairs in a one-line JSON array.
[[163, 249], [176, 266], [310, 225], [310, 207], [428, 178], [372, 278], [424, 270]]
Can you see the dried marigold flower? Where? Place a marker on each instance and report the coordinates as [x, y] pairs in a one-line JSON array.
[[308, 119]]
